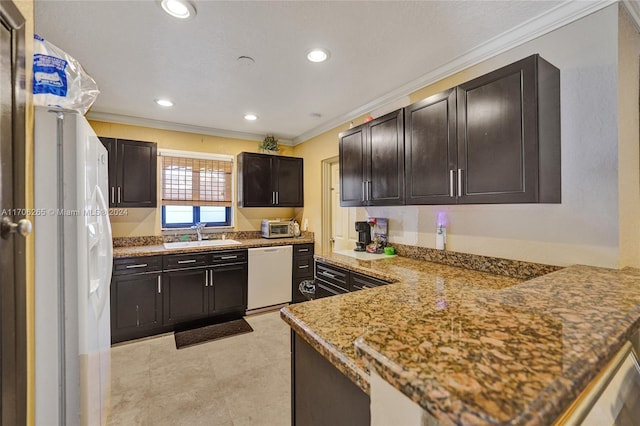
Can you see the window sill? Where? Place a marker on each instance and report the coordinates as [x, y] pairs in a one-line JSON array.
[[207, 230]]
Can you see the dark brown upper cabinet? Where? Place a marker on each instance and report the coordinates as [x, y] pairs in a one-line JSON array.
[[372, 162], [269, 181], [509, 135], [431, 149], [494, 139], [132, 172]]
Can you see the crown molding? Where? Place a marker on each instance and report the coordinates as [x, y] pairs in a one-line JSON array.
[[633, 8], [178, 127], [552, 19]]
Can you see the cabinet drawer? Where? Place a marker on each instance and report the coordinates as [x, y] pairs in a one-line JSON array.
[[303, 266], [137, 265], [302, 249], [229, 256], [183, 261], [325, 289], [333, 274], [359, 281]]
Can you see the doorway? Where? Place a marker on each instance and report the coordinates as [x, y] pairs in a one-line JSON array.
[[338, 232], [14, 226]]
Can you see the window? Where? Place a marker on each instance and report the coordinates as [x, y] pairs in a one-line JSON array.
[[196, 188]]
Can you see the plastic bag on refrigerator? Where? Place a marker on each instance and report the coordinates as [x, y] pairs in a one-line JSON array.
[[59, 80]]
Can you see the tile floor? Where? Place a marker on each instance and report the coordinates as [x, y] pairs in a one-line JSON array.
[[240, 380]]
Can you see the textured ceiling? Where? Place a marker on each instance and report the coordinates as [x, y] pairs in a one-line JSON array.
[[137, 53]]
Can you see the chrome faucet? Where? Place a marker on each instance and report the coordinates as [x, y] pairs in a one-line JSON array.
[[199, 227]]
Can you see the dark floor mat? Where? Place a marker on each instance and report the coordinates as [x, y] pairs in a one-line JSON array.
[[211, 332]]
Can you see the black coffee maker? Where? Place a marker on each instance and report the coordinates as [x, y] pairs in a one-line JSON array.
[[364, 236]]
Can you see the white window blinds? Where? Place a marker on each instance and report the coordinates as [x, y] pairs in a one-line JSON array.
[[196, 181]]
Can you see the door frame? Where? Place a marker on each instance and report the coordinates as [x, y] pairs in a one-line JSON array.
[[326, 202], [13, 369]]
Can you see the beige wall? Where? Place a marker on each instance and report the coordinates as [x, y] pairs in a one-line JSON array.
[[145, 221], [628, 140], [584, 227], [26, 9]]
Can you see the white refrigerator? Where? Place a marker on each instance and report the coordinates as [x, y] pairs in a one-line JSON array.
[[73, 262]]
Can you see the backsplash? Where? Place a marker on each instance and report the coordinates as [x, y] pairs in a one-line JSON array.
[[155, 240], [152, 240], [494, 265]]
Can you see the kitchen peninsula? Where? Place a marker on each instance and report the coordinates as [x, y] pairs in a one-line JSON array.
[[468, 347]]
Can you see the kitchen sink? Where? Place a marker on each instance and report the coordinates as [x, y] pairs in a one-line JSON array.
[[203, 243]]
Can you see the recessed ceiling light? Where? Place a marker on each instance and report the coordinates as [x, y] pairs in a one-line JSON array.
[[318, 55], [180, 9], [250, 117], [164, 102]]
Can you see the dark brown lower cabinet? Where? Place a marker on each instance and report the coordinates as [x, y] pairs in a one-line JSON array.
[[185, 295], [136, 306], [157, 294], [332, 280], [302, 269], [227, 292], [136, 298], [320, 394]]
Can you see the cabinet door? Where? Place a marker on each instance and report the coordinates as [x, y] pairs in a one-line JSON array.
[[352, 167], [185, 295], [136, 306], [288, 182], [136, 174], [255, 183], [110, 146], [497, 136], [430, 150], [228, 288], [385, 167]]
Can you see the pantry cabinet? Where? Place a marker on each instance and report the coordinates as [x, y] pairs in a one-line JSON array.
[[269, 180], [372, 162], [132, 172]]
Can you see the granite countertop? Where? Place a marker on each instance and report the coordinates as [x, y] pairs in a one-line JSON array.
[[472, 347], [331, 325], [159, 249]]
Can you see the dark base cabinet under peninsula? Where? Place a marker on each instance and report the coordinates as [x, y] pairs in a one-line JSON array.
[[332, 280], [322, 395]]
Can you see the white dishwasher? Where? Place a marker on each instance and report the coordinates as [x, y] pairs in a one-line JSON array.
[[270, 270]]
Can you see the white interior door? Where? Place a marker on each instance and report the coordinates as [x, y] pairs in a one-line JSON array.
[[343, 234]]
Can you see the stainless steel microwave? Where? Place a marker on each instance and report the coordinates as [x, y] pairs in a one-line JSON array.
[[277, 228]]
